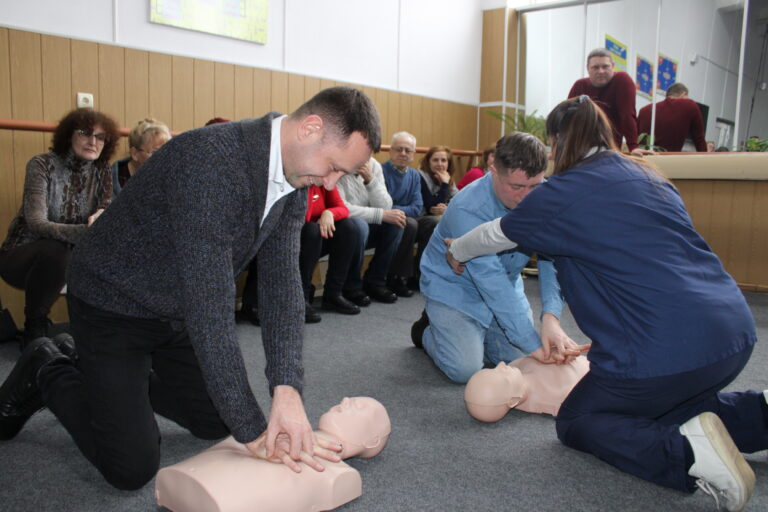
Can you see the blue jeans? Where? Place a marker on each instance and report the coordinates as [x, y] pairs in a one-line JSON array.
[[633, 424], [460, 345], [384, 239]]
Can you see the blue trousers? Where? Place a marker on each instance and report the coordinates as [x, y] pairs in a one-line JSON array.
[[384, 239], [633, 424]]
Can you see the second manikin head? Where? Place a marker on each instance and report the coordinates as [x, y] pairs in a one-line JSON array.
[[492, 392], [361, 424]]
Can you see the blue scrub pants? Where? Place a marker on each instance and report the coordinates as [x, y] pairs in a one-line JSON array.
[[632, 424]]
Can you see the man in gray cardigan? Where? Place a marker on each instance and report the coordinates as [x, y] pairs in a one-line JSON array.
[[152, 292]]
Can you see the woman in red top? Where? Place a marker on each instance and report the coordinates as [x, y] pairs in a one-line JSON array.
[[327, 231]]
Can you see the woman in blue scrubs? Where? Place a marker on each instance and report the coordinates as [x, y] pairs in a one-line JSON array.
[[669, 326]]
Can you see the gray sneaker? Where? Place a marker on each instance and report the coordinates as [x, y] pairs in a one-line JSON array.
[[719, 467]]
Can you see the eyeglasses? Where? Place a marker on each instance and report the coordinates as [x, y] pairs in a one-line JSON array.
[[87, 134], [402, 149]]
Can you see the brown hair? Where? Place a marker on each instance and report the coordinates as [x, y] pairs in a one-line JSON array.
[[519, 150], [424, 166], [85, 119], [487, 152], [575, 126]]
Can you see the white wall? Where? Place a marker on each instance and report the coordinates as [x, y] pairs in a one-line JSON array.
[[555, 48], [419, 47]]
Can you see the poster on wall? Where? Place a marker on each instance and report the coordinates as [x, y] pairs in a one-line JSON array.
[[644, 77], [667, 73], [619, 51], [238, 19]]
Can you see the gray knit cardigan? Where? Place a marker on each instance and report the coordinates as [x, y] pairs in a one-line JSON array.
[[172, 243]]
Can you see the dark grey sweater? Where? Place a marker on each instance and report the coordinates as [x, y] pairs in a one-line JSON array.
[[171, 245]]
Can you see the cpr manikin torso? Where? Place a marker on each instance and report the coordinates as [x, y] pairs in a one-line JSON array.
[[227, 478], [524, 384]]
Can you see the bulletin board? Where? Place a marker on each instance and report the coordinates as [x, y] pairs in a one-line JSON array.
[[238, 19]]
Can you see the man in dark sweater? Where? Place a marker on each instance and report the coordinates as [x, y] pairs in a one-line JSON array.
[[614, 92], [151, 293], [677, 117]]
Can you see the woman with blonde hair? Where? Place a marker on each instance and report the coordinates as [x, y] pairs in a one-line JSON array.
[[145, 138]]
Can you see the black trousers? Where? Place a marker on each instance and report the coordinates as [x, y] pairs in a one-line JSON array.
[[39, 269], [405, 264], [128, 369], [340, 249]]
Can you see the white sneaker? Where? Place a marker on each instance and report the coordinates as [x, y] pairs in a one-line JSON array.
[[718, 465]]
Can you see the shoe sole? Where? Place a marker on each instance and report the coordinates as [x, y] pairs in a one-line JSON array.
[[729, 454]]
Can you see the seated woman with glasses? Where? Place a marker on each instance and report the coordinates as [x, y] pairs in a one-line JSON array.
[[146, 137], [64, 192]]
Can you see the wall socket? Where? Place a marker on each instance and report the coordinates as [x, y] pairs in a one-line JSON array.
[[84, 100]]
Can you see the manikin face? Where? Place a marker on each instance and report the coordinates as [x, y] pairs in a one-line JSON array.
[[600, 70], [321, 158], [490, 393], [438, 162], [87, 145], [359, 421], [148, 147], [402, 151], [512, 187]]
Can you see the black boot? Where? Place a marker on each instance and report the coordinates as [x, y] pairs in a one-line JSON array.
[[311, 316], [66, 344], [417, 329], [20, 395], [34, 328]]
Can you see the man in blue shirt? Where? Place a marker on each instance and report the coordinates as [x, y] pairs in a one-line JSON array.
[[404, 185], [483, 314]]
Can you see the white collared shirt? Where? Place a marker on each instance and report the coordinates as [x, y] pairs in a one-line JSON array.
[[277, 186]]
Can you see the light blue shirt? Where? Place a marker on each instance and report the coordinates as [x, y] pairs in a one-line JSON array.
[[491, 286]]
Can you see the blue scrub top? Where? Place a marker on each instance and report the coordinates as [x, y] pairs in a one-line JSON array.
[[641, 283]]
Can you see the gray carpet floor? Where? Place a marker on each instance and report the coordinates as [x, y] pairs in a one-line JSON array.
[[438, 458]]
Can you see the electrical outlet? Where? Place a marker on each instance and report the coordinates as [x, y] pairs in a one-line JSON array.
[[84, 100]]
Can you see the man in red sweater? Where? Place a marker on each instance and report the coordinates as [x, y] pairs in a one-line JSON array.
[[615, 93], [676, 117]]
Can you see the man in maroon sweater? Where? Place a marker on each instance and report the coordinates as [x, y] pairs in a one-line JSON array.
[[615, 93], [676, 117]]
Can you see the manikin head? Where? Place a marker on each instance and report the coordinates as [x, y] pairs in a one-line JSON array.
[[492, 392], [600, 67], [360, 423]]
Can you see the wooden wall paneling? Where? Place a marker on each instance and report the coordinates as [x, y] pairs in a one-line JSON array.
[[137, 87], [325, 83], [757, 271], [492, 63], [9, 200], [262, 92], [428, 121], [279, 98], [160, 87], [722, 202], [183, 94], [404, 114], [469, 127], [512, 56], [523, 43], [224, 91], [417, 116], [295, 92], [697, 196], [439, 120], [204, 92], [58, 98], [489, 127], [243, 92], [26, 100], [85, 70], [382, 105], [112, 88], [393, 114], [740, 229], [311, 87]]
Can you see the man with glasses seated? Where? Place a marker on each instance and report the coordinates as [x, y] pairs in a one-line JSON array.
[[146, 137], [404, 186]]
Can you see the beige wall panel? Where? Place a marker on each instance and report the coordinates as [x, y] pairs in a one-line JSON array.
[[262, 92], [393, 113], [722, 197], [295, 92], [160, 87], [440, 128], [757, 271], [9, 200], [85, 69], [428, 121], [489, 128], [417, 116], [243, 92], [183, 91], [521, 79], [512, 57], [57, 78], [279, 98], [112, 88], [740, 229], [492, 64], [325, 83], [204, 92], [469, 127], [224, 91], [382, 105], [404, 115], [311, 87], [697, 196], [137, 87]]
